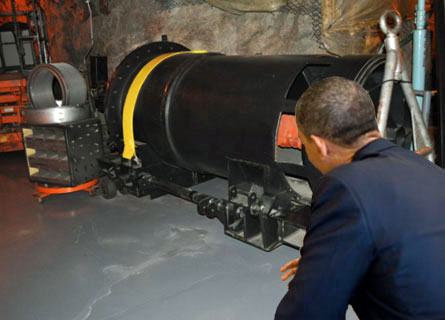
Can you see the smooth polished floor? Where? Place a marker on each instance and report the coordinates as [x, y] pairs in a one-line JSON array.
[[77, 257]]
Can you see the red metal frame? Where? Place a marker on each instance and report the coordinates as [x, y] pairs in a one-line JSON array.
[[43, 192], [13, 99]]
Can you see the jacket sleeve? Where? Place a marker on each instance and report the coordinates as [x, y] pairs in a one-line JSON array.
[[337, 252]]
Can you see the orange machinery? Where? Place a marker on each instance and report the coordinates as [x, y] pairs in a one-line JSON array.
[[13, 99], [23, 44]]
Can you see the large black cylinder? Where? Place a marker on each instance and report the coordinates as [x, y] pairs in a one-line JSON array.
[[196, 111]]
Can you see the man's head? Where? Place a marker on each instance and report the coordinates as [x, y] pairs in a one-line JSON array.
[[336, 117]]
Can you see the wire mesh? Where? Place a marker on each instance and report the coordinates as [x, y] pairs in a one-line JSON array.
[[311, 8]]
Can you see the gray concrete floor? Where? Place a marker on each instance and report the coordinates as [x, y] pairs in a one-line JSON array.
[[79, 257]]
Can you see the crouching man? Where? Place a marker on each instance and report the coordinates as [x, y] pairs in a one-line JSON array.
[[376, 238]]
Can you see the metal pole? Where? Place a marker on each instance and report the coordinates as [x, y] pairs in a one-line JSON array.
[[45, 37], [18, 39], [177, 190], [391, 73], [419, 51], [36, 26], [426, 108], [422, 140]]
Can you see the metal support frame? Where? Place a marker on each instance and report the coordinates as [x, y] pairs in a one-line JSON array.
[[395, 70]]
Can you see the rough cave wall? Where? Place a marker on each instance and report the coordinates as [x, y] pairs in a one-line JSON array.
[[201, 27], [121, 26]]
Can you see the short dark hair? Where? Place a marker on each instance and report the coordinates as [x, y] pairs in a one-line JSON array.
[[337, 109]]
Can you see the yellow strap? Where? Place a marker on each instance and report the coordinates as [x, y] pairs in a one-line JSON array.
[[132, 95]]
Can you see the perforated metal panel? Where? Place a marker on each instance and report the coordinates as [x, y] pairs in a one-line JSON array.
[[63, 155]]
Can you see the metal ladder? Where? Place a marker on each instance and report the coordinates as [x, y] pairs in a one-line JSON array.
[[37, 35]]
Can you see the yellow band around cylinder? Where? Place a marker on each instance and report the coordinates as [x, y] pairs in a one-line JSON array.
[[131, 98]]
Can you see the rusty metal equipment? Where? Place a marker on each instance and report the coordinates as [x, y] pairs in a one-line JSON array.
[[23, 44], [12, 101], [30, 38], [180, 117]]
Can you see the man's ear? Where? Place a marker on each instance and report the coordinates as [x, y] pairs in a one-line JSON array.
[[321, 145]]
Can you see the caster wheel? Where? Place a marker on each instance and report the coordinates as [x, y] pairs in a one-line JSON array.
[[40, 200], [92, 193], [108, 187]]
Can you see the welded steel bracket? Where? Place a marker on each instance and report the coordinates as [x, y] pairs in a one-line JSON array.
[[395, 70], [261, 209]]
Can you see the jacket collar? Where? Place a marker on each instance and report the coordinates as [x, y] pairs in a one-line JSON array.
[[372, 149]]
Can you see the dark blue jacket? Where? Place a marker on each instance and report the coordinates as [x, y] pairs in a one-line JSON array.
[[376, 240]]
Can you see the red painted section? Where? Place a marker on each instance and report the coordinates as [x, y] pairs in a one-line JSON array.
[[5, 6], [288, 133], [43, 192]]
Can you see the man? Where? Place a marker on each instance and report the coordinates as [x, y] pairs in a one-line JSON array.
[[376, 239]]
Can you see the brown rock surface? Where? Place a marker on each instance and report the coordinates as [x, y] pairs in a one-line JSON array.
[[122, 26], [201, 27]]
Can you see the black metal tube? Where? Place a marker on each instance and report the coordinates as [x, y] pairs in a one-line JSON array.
[[196, 111]]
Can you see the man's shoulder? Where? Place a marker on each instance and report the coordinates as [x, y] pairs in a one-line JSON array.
[[356, 172], [386, 161]]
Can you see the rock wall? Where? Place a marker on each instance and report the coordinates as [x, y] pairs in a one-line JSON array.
[[200, 26], [121, 26]]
